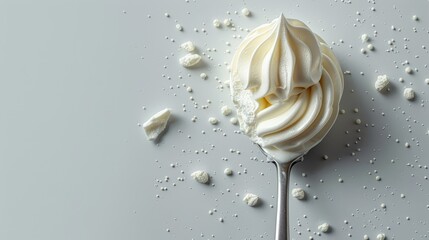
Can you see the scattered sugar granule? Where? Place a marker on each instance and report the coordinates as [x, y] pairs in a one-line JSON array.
[[409, 93], [381, 83], [226, 110], [298, 193], [365, 237], [358, 121], [213, 120], [370, 47], [233, 120], [228, 171], [364, 38], [227, 22], [408, 70], [363, 50], [200, 176], [251, 199], [179, 27], [216, 23], [203, 76], [415, 18], [189, 89], [427, 80], [188, 46], [324, 227], [190, 59], [156, 124], [245, 12], [381, 236]]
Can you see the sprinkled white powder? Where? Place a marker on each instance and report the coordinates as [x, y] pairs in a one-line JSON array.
[[298, 193], [190, 60], [324, 227], [200, 176], [381, 83], [228, 171], [409, 93], [364, 38], [408, 70], [233, 120], [188, 46], [226, 110], [203, 76], [213, 120], [156, 124], [216, 23], [245, 12], [251, 199], [381, 236]]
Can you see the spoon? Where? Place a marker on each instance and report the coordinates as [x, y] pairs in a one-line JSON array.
[[284, 166]]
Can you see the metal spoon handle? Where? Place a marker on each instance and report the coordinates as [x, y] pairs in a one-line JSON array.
[[282, 220]]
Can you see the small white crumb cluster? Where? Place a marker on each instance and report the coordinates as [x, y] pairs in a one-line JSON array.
[[381, 236], [156, 124], [251, 199], [324, 227], [364, 38], [381, 83], [188, 46], [245, 12], [213, 120], [227, 22], [298, 193], [200, 176], [190, 59], [228, 171], [216, 23], [226, 110], [409, 93]]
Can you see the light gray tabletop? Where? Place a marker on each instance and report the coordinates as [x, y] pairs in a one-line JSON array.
[[78, 77]]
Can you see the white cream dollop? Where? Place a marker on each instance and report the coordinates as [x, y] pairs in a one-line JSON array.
[[286, 84]]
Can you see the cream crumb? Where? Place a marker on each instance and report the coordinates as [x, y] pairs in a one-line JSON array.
[[298, 193], [324, 227], [409, 93], [226, 110], [200, 176], [190, 60], [188, 46], [251, 199], [381, 83]]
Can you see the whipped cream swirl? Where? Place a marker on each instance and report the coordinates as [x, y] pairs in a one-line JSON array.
[[286, 84]]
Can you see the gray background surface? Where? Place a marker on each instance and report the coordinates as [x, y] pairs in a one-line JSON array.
[[77, 77]]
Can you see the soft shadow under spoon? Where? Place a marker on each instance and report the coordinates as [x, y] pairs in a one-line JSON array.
[[283, 176]]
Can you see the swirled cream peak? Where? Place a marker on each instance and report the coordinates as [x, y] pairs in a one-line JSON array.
[[286, 84]]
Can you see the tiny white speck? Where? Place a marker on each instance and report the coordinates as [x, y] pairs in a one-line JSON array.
[[233, 120], [216, 23], [408, 70], [226, 110], [227, 22], [381, 236], [364, 37], [370, 47], [179, 27], [228, 171], [245, 12], [407, 145], [203, 76]]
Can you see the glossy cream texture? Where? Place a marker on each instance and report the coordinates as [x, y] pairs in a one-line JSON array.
[[286, 85]]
